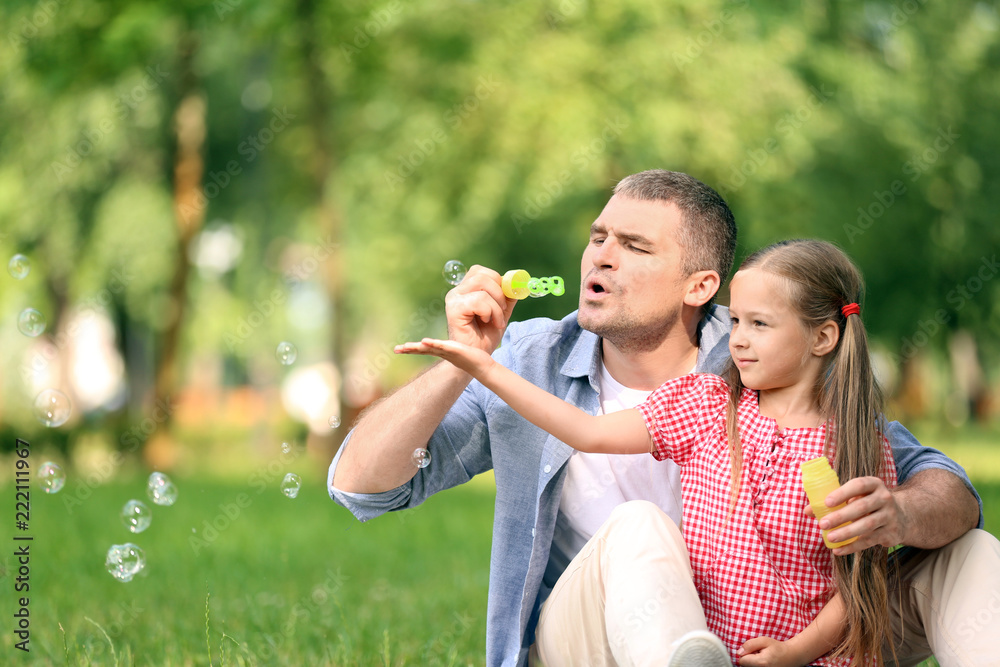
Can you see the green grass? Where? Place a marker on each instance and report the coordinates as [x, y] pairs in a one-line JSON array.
[[283, 582]]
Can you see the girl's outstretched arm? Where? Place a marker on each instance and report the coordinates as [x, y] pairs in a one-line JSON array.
[[622, 432]]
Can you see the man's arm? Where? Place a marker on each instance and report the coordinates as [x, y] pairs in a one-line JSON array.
[[934, 504], [377, 457]]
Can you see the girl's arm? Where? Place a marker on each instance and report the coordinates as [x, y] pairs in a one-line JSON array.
[[622, 432], [817, 639]]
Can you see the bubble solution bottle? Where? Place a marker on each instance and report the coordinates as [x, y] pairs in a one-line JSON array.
[[819, 481]]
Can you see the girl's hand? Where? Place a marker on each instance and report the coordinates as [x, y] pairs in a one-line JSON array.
[[767, 652], [473, 361]]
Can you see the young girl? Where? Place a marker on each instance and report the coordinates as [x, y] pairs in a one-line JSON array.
[[799, 386]]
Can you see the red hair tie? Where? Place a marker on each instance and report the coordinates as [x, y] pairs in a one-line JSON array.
[[851, 309]]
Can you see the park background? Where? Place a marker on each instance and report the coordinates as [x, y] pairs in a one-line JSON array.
[[195, 182]]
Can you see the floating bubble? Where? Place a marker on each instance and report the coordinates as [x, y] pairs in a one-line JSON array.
[[334, 421], [421, 457], [136, 516], [291, 484], [51, 477], [31, 322], [52, 408], [124, 561], [454, 271], [286, 353], [286, 448], [19, 266], [160, 489]]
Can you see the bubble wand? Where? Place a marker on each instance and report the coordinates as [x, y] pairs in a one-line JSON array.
[[518, 284]]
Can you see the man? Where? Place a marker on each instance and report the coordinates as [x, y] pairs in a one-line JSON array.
[[656, 257]]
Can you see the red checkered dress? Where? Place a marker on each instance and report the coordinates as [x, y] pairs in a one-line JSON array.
[[765, 572]]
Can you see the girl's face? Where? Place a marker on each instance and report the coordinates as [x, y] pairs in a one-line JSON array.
[[770, 344]]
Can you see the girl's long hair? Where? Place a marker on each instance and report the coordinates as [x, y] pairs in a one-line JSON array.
[[821, 280]]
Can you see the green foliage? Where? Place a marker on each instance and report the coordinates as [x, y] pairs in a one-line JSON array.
[[493, 134]]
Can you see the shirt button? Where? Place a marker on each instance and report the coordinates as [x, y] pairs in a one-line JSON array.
[[547, 468]]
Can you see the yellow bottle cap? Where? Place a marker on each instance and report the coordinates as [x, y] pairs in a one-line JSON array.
[[515, 284]]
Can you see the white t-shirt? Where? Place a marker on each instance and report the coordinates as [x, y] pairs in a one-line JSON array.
[[597, 483]]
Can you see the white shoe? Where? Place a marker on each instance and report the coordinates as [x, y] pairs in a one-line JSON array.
[[699, 648]]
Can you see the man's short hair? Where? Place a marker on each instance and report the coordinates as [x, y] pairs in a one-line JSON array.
[[708, 229]]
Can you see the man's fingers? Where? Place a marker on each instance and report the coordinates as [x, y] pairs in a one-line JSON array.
[[483, 306], [859, 486]]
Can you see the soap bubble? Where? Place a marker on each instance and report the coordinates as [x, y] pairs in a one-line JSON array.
[[51, 477], [124, 561], [286, 353], [52, 408], [454, 271], [291, 484], [160, 489], [421, 457], [286, 448], [19, 266], [136, 516], [334, 421], [31, 322]]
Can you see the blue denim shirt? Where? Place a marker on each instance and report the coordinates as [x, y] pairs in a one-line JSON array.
[[481, 432]]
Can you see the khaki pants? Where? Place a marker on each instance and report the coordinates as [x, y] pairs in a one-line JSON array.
[[628, 595]]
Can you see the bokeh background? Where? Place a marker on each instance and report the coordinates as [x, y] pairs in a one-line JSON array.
[[193, 183]]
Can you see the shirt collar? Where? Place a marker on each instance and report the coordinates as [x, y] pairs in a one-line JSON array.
[[584, 359]]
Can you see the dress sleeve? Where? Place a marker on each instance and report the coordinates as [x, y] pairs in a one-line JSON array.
[[681, 414], [888, 465]]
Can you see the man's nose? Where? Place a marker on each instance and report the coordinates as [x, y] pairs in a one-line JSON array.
[[606, 256]]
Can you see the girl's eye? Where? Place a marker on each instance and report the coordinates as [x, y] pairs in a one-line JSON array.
[[734, 320], [758, 323]]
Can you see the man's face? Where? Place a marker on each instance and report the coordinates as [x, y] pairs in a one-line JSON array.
[[631, 290]]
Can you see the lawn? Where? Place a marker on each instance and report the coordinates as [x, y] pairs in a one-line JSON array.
[[238, 574]]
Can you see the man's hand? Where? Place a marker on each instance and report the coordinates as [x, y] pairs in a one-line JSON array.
[[477, 309], [767, 652], [875, 515]]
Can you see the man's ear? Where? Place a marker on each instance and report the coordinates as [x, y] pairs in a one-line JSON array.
[[700, 287], [826, 337]]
